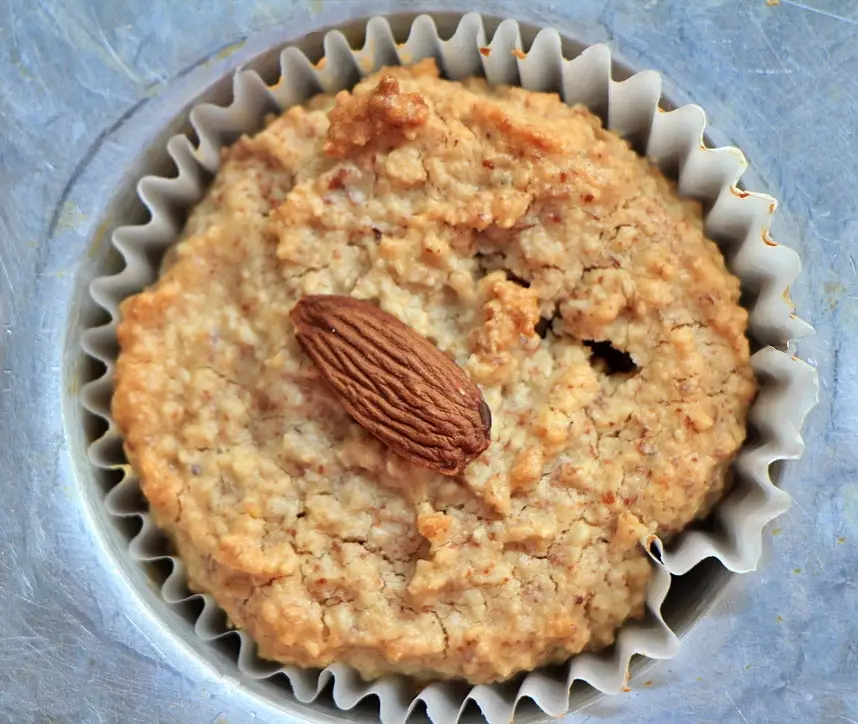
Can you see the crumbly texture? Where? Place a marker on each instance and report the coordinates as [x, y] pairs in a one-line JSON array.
[[512, 231]]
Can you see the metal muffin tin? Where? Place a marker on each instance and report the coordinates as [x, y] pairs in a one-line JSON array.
[[104, 186]]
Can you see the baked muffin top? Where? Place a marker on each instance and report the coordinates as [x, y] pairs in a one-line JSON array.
[[562, 273]]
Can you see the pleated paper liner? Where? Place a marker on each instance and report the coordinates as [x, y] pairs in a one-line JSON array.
[[737, 220]]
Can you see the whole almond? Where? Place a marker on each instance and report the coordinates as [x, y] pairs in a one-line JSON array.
[[396, 384]]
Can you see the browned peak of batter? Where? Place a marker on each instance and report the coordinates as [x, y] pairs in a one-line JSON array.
[[384, 112]]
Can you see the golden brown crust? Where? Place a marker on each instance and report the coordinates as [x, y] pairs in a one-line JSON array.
[[382, 113], [509, 229]]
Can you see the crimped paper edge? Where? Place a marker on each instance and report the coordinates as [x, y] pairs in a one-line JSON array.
[[789, 387]]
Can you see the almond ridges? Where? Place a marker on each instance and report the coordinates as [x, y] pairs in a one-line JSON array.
[[396, 384]]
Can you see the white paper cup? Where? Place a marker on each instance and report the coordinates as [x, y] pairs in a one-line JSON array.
[[737, 219]]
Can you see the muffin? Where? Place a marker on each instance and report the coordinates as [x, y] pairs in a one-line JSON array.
[[554, 265]]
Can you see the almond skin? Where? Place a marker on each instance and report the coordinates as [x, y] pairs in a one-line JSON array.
[[396, 384]]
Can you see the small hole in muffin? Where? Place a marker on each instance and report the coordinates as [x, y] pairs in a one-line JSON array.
[[542, 326], [481, 269], [613, 360], [515, 279]]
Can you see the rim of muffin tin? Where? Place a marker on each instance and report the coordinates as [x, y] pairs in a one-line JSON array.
[[690, 597]]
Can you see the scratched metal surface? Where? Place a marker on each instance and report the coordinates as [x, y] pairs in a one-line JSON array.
[[85, 86]]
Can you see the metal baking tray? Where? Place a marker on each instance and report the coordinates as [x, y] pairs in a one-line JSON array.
[[91, 90]]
